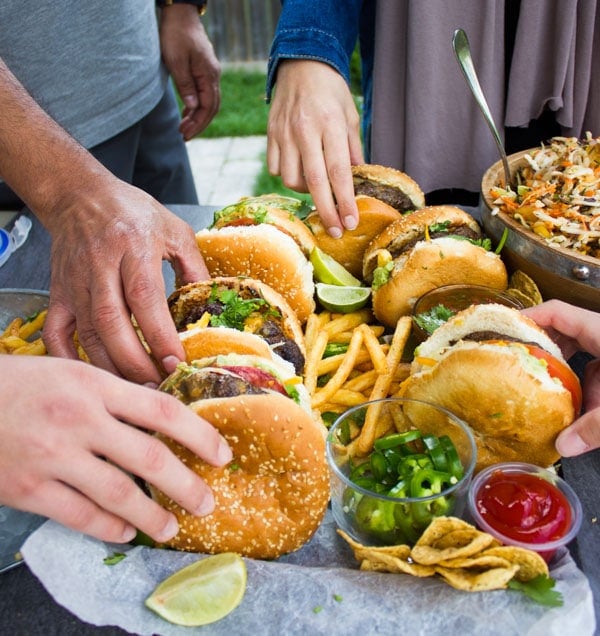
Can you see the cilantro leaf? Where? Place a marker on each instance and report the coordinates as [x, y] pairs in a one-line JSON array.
[[539, 589], [114, 558]]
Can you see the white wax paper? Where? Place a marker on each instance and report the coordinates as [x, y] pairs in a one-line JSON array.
[[317, 590]]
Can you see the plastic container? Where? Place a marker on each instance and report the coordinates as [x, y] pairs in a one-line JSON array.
[[536, 518]]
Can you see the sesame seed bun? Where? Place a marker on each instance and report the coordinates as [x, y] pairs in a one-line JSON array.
[[374, 217], [273, 495], [265, 253]]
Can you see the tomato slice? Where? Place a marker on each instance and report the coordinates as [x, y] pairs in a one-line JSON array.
[[556, 369], [562, 372]]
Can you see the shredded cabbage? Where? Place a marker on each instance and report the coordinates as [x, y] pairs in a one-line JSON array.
[[558, 194]]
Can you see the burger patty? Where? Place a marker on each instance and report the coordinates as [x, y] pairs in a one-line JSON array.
[[459, 230], [483, 336], [388, 194], [204, 384]]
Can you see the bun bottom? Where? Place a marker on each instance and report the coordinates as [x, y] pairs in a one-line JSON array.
[[273, 495], [513, 417]]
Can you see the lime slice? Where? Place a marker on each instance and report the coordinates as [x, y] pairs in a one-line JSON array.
[[201, 593], [342, 299], [329, 271]]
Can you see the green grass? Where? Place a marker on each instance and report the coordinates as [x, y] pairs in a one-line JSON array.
[[267, 183], [244, 110]]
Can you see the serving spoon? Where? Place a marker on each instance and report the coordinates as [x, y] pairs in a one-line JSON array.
[[462, 50]]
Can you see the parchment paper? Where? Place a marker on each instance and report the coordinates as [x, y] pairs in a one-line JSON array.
[[317, 590]]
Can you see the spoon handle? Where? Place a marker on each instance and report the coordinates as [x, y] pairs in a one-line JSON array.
[[462, 50]]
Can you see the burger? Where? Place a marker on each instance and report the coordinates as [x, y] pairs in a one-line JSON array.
[[239, 315], [504, 376], [431, 247], [263, 238], [348, 250], [272, 496], [391, 186]]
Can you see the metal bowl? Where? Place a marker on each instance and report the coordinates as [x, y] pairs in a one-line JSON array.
[[15, 525], [559, 272]]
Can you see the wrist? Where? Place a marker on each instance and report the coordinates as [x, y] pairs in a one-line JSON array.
[[199, 4]]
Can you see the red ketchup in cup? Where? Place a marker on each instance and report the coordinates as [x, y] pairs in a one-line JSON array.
[[527, 506]]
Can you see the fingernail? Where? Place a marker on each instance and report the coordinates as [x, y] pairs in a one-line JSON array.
[[350, 222], [170, 363], [190, 101], [206, 506], [129, 534], [151, 385], [169, 531], [569, 443], [335, 232], [224, 453]]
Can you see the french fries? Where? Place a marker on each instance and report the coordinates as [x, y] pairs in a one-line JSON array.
[[16, 337], [368, 370]]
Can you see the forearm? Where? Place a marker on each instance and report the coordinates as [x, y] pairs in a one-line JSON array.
[[39, 160]]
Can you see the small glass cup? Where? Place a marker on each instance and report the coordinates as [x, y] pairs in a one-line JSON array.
[[546, 549], [455, 298], [374, 518]]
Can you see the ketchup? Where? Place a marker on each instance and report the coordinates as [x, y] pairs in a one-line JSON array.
[[524, 507]]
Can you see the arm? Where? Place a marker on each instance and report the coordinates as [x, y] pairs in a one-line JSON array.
[[313, 129], [576, 329], [108, 243], [71, 433], [190, 58]]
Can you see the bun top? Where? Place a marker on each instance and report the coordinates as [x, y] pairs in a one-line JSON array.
[[489, 322], [274, 209], [412, 227], [374, 217], [389, 185]]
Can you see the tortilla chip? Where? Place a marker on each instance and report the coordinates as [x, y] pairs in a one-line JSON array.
[[517, 294], [479, 561], [525, 284], [530, 563], [386, 563], [473, 581], [440, 526]]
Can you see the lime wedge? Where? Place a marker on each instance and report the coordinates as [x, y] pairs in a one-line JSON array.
[[201, 593], [342, 299], [329, 271]]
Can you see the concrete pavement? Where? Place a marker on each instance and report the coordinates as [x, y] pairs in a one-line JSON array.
[[226, 168]]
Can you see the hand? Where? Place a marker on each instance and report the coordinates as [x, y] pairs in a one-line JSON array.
[[108, 243], [314, 138], [71, 433], [188, 54], [576, 329]]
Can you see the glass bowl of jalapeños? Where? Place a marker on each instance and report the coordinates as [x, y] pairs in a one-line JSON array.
[[419, 469], [436, 306], [524, 505]]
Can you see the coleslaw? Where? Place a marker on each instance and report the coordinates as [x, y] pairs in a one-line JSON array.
[[558, 194]]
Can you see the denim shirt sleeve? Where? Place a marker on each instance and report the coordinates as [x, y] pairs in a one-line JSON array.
[[323, 30]]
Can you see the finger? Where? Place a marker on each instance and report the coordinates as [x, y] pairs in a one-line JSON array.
[[580, 324], [57, 501], [273, 157], [338, 162], [58, 332], [157, 411], [116, 493], [292, 171], [185, 257], [153, 462], [582, 436]]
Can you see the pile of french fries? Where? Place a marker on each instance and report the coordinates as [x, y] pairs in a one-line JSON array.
[[17, 337], [369, 370]]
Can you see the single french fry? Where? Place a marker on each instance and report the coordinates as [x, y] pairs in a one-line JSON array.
[[329, 365], [374, 348], [314, 323], [12, 329], [35, 348], [345, 336], [346, 397], [362, 382], [313, 357], [344, 322], [368, 434], [27, 329], [342, 372], [13, 342]]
